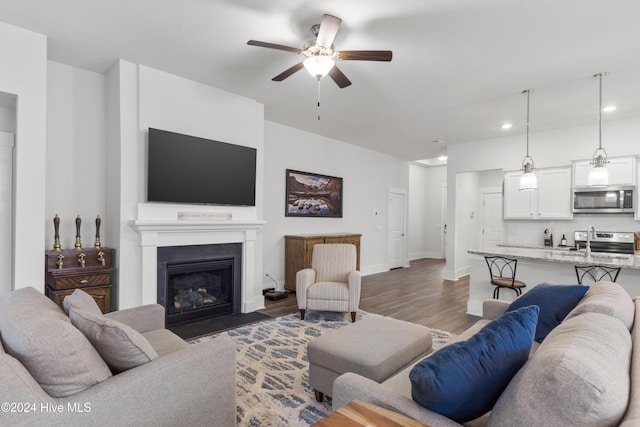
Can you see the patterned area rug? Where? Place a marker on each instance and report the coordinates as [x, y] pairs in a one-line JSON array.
[[272, 376]]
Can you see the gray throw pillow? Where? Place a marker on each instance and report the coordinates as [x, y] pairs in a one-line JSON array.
[[120, 346], [80, 300], [58, 356]]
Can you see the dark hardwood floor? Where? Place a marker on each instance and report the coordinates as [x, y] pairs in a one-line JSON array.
[[417, 294]]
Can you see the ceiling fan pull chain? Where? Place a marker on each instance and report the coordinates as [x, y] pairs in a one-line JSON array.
[[318, 99]]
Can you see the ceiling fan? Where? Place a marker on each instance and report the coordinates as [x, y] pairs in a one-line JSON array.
[[321, 56]]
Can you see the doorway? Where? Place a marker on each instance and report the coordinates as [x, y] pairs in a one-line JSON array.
[[491, 225], [8, 104], [397, 228], [443, 221]]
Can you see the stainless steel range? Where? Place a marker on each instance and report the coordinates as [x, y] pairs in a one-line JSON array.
[[607, 241]]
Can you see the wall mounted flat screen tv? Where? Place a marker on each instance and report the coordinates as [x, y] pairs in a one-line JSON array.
[[192, 170]]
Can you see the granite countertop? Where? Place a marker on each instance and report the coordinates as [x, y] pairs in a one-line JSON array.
[[562, 254]]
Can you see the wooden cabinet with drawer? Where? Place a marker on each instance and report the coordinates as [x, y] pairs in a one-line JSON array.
[[299, 248], [86, 269]]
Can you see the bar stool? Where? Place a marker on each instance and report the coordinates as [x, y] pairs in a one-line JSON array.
[[502, 271], [596, 273]]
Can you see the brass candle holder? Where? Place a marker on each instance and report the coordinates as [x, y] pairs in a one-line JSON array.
[[96, 244], [56, 238], [78, 245]]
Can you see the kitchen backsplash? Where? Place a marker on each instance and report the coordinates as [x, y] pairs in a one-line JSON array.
[[532, 232]]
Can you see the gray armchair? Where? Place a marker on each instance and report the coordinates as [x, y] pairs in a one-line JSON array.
[[332, 283]]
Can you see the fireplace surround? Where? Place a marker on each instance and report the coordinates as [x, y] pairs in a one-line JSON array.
[[158, 233], [199, 281]]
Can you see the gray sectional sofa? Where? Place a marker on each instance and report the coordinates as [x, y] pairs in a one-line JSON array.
[[44, 355], [586, 372]]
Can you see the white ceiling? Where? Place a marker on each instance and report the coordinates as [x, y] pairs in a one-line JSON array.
[[458, 66]]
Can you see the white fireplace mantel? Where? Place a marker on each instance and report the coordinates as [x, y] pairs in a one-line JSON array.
[[160, 233]]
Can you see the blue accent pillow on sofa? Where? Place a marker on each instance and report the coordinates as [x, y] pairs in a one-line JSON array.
[[555, 302], [463, 380]]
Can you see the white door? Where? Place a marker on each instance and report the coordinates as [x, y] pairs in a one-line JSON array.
[[491, 219], [443, 221], [397, 210]]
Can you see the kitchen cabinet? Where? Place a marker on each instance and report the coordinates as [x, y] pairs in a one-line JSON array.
[[552, 200], [621, 171]]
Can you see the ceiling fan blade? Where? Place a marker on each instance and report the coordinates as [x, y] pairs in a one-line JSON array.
[[338, 76], [286, 73], [364, 55], [328, 29], [274, 46]]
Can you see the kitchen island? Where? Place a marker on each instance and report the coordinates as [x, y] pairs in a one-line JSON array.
[[539, 264]]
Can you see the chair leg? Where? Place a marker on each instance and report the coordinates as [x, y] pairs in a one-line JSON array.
[[353, 316], [496, 293], [302, 312], [319, 395]]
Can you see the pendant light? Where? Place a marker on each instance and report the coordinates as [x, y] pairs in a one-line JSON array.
[[528, 180], [599, 175]]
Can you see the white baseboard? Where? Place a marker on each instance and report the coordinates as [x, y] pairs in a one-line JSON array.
[[474, 307], [456, 274], [257, 303], [433, 255], [417, 255], [374, 269], [425, 254]]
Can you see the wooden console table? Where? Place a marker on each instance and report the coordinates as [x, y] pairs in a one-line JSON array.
[[298, 250], [87, 269], [362, 414]]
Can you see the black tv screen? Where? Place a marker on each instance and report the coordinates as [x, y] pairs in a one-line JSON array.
[[188, 169]]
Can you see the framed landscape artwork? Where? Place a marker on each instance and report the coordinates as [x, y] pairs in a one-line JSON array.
[[313, 195]]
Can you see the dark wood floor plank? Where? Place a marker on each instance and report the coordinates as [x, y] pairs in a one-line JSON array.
[[417, 294]]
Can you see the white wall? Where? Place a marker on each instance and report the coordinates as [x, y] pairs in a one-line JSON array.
[[96, 132], [76, 149], [8, 117], [23, 72], [551, 148], [367, 175], [425, 210], [140, 97], [467, 216]]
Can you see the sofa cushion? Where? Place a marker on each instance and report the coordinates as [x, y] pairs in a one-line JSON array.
[[607, 298], [578, 377], [80, 300], [119, 345], [36, 332], [463, 380], [555, 302]]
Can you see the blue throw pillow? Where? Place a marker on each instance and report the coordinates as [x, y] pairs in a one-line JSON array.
[[463, 381], [555, 302]]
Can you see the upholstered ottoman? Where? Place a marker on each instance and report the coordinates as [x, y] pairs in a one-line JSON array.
[[375, 347]]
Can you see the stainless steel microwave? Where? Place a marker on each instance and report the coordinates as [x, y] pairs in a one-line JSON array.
[[604, 200]]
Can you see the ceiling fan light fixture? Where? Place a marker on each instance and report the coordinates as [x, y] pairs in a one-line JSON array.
[[319, 66], [599, 175]]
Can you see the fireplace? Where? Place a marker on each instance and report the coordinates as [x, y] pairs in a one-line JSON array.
[[199, 281]]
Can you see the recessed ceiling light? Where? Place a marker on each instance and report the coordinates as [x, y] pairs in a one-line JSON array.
[[442, 158], [609, 108], [506, 126]]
